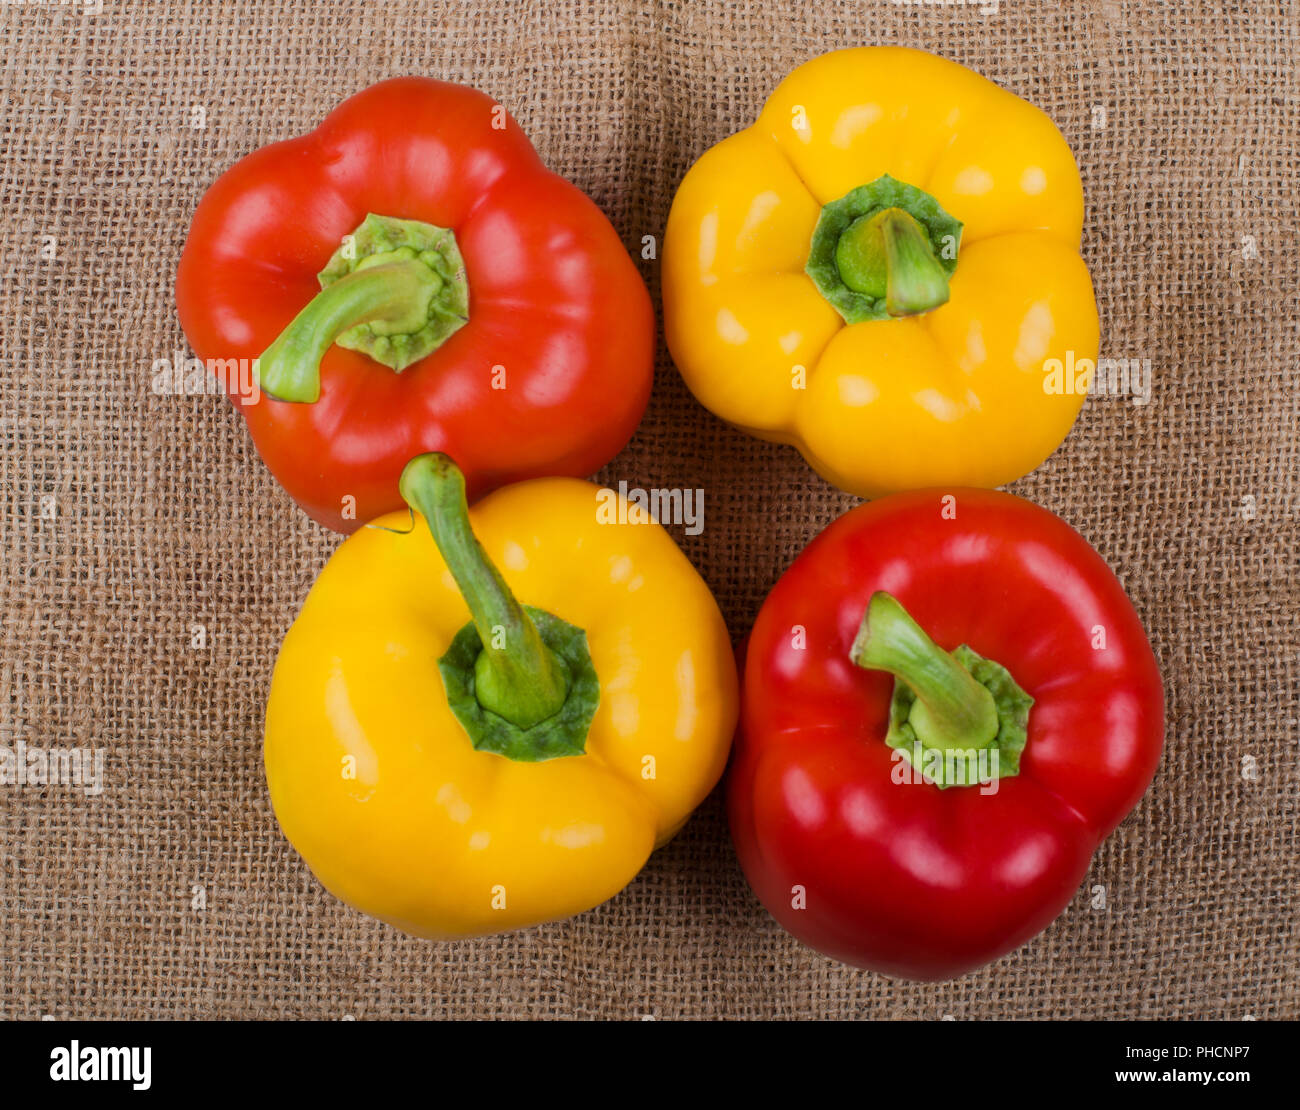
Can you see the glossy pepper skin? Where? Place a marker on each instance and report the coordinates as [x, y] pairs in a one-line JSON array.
[[377, 782], [549, 375], [898, 874], [946, 387]]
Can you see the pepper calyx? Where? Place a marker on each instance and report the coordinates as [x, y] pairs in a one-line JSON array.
[[882, 251], [520, 680], [380, 240], [958, 718], [564, 733], [394, 290]]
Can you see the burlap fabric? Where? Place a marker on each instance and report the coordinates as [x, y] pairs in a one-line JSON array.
[[129, 519]]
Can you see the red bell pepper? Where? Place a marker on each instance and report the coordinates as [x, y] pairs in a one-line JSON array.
[[948, 703], [469, 301]]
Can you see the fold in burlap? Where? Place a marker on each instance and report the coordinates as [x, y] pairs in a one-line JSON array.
[[129, 518]]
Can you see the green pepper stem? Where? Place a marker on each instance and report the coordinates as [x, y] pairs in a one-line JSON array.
[[889, 255], [952, 712], [517, 676], [396, 294]]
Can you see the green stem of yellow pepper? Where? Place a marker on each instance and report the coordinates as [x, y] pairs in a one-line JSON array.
[[889, 255], [520, 680], [882, 251], [517, 676]]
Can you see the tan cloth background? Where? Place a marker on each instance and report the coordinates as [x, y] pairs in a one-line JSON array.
[[164, 517]]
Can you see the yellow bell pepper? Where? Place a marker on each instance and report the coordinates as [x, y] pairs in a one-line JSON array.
[[880, 272], [456, 763]]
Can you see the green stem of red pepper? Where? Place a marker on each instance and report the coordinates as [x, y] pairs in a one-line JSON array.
[[395, 290], [396, 294], [952, 710], [951, 705]]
